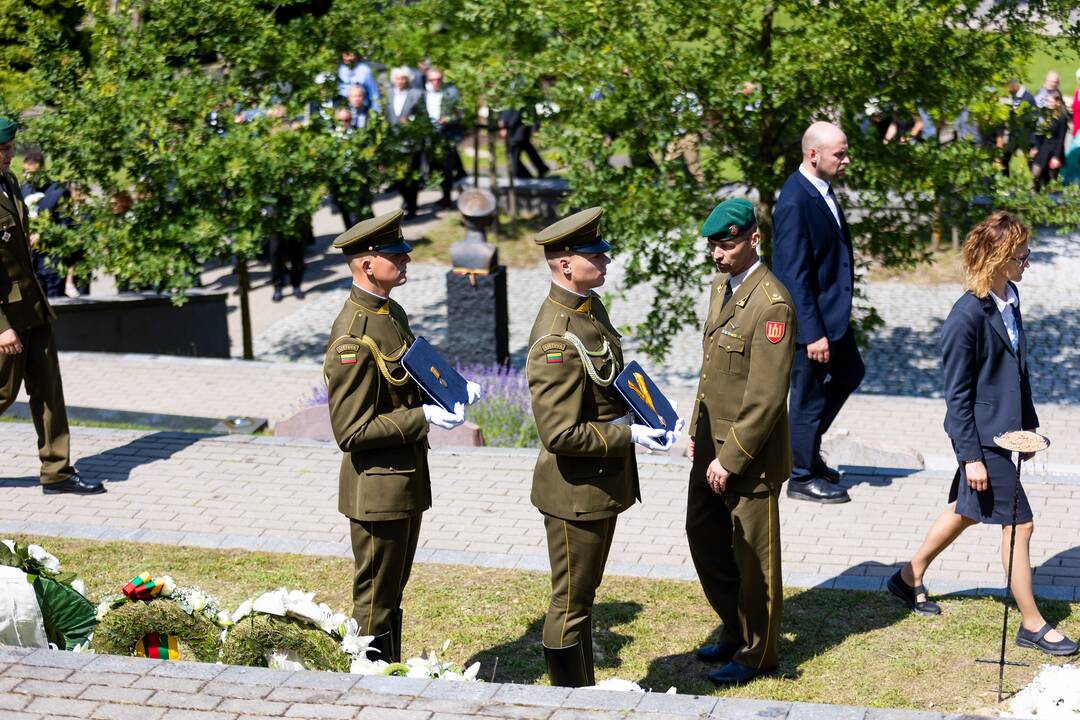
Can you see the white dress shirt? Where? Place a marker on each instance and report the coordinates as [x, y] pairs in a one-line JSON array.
[[823, 188], [1007, 308], [736, 280], [433, 101], [399, 101]]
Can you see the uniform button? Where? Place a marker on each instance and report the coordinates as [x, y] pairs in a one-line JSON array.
[[706, 357], [601, 471], [701, 396], [703, 376]]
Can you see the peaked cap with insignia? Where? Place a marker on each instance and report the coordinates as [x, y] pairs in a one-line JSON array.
[[579, 233], [377, 234]]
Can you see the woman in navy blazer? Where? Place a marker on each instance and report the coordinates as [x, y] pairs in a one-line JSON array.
[[987, 392]]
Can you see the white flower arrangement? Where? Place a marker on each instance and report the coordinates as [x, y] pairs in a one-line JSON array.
[[620, 685], [1054, 693]]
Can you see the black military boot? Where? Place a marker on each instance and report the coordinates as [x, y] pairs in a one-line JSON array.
[[566, 666], [385, 645], [395, 631], [587, 651]]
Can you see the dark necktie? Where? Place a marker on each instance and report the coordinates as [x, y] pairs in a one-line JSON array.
[[727, 292]]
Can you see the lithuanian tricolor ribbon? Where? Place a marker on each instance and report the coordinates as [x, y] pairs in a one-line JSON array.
[[161, 646], [142, 587]]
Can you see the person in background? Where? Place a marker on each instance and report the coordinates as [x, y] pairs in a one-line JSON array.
[[43, 199], [352, 72], [1051, 86], [1048, 149], [444, 109]]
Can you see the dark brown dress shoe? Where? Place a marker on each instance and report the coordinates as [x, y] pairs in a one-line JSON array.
[[73, 485]]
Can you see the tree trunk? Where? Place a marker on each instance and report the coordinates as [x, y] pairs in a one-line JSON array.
[[243, 284]]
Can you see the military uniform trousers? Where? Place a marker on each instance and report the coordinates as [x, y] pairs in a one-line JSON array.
[[38, 367], [383, 552], [578, 551], [735, 544]]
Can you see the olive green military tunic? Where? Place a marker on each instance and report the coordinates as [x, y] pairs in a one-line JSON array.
[[384, 483], [585, 473], [740, 417], [25, 308]]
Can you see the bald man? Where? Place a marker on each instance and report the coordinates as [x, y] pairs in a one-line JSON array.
[[813, 258], [1050, 86]]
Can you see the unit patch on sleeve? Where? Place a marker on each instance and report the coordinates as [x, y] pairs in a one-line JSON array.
[[774, 330], [347, 353], [553, 352]]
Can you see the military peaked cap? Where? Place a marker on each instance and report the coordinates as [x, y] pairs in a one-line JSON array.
[[579, 233], [729, 219], [377, 234]]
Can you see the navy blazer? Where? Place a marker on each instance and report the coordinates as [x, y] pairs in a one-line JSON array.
[[814, 260], [987, 390]]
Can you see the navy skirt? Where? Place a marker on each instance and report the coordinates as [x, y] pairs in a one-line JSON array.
[[994, 505]]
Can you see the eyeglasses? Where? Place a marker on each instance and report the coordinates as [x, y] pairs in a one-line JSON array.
[[1023, 259]]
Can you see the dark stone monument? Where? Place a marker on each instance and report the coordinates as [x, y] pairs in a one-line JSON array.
[[144, 323], [478, 321]]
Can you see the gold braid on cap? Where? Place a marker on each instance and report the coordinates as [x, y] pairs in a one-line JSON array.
[[604, 352], [381, 360]]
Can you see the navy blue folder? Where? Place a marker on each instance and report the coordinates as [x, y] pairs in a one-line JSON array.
[[645, 398], [442, 383]]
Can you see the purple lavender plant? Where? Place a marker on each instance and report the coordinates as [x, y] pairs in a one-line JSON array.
[[504, 414], [319, 395]]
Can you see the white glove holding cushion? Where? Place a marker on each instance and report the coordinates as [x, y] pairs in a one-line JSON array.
[[474, 390], [658, 440], [435, 415]]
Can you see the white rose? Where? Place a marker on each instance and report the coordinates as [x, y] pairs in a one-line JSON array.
[[197, 600], [49, 562]]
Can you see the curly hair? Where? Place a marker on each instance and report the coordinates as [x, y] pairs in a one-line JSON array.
[[990, 245]]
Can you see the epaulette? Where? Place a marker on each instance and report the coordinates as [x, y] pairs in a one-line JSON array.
[[774, 295], [359, 323]]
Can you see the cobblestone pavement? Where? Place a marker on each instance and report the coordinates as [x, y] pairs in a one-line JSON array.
[[275, 495], [51, 684]]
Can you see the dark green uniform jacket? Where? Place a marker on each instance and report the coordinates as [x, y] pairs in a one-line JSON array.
[[375, 411], [741, 402], [586, 469], [22, 301]]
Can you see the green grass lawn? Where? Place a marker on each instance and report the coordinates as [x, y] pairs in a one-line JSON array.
[[845, 647], [1065, 60]]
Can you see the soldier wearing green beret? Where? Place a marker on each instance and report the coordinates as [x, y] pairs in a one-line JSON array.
[[586, 473], [739, 447], [27, 346], [381, 423]]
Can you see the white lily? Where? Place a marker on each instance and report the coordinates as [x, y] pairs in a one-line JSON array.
[[103, 609], [472, 671], [243, 611], [168, 587], [79, 586], [39, 554], [271, 603], [289, 660], [363, 666], [10, 544]]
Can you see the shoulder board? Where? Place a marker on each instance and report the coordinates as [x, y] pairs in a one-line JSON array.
[[560, 323], [359, 322], [774, 295]]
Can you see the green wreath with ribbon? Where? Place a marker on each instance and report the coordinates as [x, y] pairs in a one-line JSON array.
[[154, 618]]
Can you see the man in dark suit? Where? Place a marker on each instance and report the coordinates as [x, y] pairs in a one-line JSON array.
[[27, 346], [1018, 133], [443, 103], [405, 105], [813, 258], [518, 135]]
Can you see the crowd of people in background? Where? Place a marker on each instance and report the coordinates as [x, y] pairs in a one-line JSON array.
[[426, 123]]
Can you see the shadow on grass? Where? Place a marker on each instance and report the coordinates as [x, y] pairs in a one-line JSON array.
[[815, 620], [521, 660]]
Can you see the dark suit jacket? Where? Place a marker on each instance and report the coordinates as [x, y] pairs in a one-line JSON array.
[[987, 390], [813, 259], [413, 107]]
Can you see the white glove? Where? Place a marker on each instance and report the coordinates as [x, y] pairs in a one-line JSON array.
[[435, 415], [673, 435], [475, 391], [650, 439]]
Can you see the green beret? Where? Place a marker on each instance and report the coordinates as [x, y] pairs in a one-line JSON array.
[[729, 219], [578, 233], [377, 234], [7, 129]]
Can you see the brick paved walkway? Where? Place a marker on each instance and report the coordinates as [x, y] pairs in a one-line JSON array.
[[50, 685], [270, 494]]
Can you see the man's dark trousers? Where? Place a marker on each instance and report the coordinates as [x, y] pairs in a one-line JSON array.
[[818, 391]]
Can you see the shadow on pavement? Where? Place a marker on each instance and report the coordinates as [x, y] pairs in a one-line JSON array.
[[116, 464], [521, 660]]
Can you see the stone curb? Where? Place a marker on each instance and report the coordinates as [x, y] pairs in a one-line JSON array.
[[102, 684]]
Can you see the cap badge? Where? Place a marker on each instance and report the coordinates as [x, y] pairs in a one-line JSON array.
[[734, 230]]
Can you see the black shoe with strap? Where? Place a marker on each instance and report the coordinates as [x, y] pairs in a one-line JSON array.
[[909, 595], [817, 490], [73, 485], [735, 673], [1037, 641]]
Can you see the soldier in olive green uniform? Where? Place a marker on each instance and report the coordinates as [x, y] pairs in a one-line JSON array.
[[586, 473], [739, 447], [381, 424], [27, 346]]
